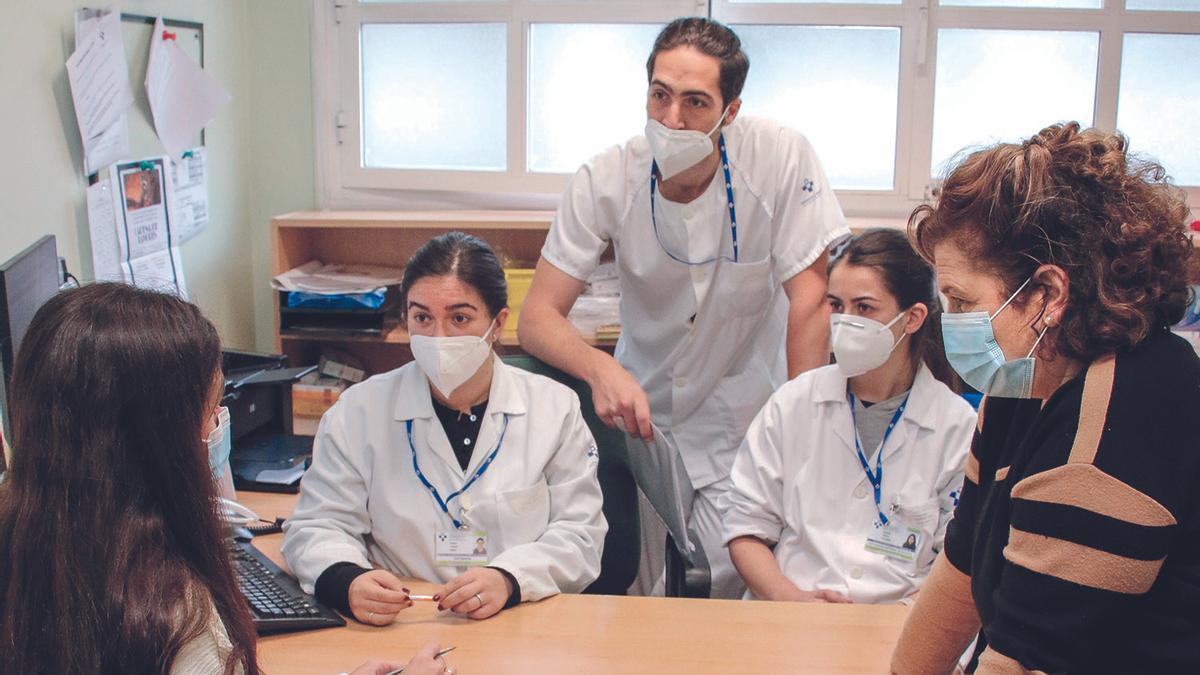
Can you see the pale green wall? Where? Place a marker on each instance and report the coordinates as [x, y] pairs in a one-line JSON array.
[[260, 147], [281, 144]]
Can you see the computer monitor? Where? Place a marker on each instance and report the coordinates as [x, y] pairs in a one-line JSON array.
[[27, 280]]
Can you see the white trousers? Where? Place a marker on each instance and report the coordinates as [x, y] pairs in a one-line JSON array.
[[707, 522]]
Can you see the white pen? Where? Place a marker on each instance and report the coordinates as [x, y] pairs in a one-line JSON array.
[[417, 596]]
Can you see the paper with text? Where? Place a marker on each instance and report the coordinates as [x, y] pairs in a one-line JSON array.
[[102, 224], [187, 200], [99, 80], [143, 225]]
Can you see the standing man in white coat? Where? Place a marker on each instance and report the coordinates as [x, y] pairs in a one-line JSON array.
[[720, 226]]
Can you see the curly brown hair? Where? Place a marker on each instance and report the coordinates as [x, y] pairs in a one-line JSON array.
[[1078, 200]]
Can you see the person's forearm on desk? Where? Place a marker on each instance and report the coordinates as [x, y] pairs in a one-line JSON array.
[[545, 332], [756, 563]]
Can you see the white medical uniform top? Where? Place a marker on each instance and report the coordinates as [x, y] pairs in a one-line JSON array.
[[704, 341], [797, 483], [539, 501]]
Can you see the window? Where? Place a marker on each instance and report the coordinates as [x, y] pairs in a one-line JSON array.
[[1002, 85], [1158, 104], [794, 68], [494, 103], [445, 113], [580, 104]]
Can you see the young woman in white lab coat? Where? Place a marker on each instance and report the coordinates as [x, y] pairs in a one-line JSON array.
[[847, 478], [411, 468]]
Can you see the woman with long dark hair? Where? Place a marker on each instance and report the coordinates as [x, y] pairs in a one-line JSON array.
[[846, 480], [113, 555]]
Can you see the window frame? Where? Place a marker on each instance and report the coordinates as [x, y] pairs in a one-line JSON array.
[[343, 183]]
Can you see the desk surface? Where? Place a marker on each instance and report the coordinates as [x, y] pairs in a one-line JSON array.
[[601, 634]]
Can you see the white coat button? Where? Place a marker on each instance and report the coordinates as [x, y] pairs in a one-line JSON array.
[[860, 492], [680, 381], [856, 572]]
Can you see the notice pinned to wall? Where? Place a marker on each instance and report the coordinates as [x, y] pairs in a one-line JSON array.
[[183, 97], [99, 79]]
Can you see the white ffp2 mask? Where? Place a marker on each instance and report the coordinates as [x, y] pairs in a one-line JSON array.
[[861, 344], [677, 150], [450, 361]]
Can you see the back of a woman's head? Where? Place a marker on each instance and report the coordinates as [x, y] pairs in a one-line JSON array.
[[910, 280], [109, 483], [109, 385], [1078, 200]]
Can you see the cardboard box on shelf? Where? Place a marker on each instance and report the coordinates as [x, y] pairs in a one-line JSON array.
[[314, 394]]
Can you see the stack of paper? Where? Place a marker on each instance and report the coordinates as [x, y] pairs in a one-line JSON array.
[[333, 279]]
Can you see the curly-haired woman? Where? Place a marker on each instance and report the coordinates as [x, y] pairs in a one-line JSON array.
[[1074, 546]]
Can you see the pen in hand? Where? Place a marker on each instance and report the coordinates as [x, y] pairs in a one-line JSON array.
[[439, 655]]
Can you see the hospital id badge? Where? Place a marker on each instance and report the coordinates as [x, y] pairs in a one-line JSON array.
[[896, 540], [460, 548]]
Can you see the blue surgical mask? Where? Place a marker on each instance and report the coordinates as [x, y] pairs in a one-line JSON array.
[[973, 352], [219, 443]]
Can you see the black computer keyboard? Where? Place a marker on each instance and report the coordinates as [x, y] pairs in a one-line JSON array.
[[276, 601]]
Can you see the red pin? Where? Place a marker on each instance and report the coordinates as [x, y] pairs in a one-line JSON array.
[[167, 35]]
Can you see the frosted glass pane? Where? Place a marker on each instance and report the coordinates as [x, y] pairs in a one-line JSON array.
[[1164, 5], [1005, 85], [580, 104], [1159, 99], [838, 86], [433, 96], [1059, 4], [824, 2]]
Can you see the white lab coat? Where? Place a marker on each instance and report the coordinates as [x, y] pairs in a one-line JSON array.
[[704, 341], [797, 482], [539, 502]]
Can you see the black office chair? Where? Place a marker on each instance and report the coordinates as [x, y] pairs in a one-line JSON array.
[[622, 544], [686, 579]]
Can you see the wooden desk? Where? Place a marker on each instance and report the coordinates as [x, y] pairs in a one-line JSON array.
[[580, 634]]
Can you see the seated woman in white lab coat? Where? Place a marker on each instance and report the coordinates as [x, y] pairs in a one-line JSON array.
[[413, 467], [848, 476]]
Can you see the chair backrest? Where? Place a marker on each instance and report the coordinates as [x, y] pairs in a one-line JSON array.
[[622, 544]]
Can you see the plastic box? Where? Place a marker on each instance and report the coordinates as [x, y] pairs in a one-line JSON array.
[[518, 281]]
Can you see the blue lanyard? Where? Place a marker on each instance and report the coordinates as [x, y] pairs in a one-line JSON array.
[[479, 471], [728, 196], [877, 477]]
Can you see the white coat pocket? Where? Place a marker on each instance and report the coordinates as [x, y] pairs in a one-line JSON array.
[[523, 514], [741, 289]]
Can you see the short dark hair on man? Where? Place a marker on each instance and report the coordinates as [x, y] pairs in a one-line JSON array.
[[708, 37]]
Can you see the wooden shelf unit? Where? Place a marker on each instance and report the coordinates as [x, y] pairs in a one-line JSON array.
[[389, 238]]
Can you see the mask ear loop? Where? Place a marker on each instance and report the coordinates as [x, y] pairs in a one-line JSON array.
[[1037, 341], [1011, 298], [891, 323], [720, 121]]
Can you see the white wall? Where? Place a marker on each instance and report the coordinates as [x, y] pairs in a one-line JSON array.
[[259, 147]]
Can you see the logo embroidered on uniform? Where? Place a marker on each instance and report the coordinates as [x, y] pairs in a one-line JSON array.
[[808, 185], [593, 452]]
